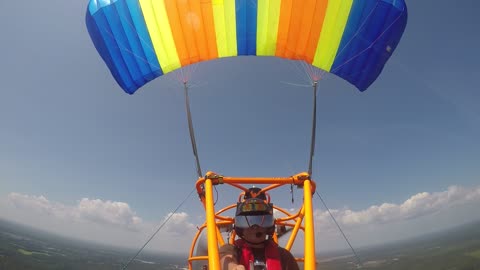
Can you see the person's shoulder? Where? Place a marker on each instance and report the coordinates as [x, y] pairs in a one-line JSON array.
[[287, 259], [227, 249], [283, 250], [286, 255]]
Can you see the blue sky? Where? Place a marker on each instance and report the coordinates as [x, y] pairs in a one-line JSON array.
[[81, 157]]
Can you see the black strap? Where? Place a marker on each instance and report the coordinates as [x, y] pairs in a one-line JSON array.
[[314, 127], [191, 131]]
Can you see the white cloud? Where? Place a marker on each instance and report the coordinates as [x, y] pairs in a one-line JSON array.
[[102, 221], [178, 223], [87, 210], [117, 223], [38, 204], [108, 212], [418, 205]]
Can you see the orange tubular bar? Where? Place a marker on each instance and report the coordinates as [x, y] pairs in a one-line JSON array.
[[192, 248], [214, 220], [212, 228], [297, 180], [297, 226], [309, 230], [199, 258]]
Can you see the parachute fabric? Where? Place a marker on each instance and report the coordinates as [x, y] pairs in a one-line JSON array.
[[140, 40]]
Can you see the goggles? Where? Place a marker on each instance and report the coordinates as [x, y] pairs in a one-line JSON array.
[[263, 221]]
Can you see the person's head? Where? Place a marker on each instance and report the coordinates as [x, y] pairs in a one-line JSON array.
[[254, 220], [255, 192]]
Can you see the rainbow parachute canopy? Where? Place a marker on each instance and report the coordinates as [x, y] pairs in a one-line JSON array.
[[140, 40]]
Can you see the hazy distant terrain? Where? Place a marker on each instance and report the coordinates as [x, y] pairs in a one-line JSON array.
[[25, 248], [455, 249]]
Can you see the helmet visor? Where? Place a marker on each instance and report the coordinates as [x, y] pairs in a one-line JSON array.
[[264, 221]]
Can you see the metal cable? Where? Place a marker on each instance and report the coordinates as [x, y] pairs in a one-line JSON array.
[[159, 228], [359, 262]]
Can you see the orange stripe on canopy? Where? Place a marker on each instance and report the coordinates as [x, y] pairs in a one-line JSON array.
[[306, 25], [299, 28], [208, 31], [190, 21], [181, 41], [286, 15]]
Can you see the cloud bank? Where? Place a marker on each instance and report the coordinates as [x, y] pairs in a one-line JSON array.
[[418, 205], [101, 221], [87, 210], [116, 223], [178, 223]]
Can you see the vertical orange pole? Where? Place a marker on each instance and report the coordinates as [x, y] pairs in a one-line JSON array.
[[213, 259], [309, 229]]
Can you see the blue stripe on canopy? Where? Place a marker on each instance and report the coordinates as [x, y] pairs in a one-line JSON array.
[[121, 37], [373, 30], [246, 19]]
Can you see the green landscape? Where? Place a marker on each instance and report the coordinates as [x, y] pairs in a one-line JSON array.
[[454, 249], [24, 248]]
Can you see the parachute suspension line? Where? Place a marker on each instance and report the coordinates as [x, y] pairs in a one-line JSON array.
[[191, 131], [295, 84], [191, 69], [297, 67], [307, 72], [310, 71], [301, 67], [359, 262], [159, 228], [314, 127], [184, 74]]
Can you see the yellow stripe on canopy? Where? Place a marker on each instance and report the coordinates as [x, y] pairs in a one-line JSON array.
[[267, 26], [332, 32], [156, 18], [225, 27]]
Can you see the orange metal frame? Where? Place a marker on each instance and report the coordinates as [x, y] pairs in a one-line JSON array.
[[214, 220]]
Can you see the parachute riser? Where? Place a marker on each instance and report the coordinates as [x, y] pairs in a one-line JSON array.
[[314, 127], [191, 130]]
